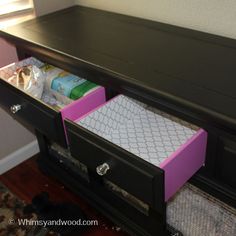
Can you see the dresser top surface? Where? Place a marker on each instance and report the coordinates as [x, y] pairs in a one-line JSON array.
[[189, 67]]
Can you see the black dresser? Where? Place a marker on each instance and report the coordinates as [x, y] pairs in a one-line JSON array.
[[188, 74]]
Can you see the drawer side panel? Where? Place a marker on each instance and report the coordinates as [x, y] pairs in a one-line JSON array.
[[82, 106], [184, 163]]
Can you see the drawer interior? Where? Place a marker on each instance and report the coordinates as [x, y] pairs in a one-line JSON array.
[[142, 130], [158, 138], [55, 91], [41, 105]]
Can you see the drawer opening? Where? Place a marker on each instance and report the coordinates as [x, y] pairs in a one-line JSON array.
[[53, 87], [63, 156], [128, 197], [165, 141]]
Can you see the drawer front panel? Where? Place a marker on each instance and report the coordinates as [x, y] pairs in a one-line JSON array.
[[141, 179], [33, 112]]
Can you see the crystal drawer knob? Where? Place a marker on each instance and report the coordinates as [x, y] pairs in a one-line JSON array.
[[15, 108], [102, 169]]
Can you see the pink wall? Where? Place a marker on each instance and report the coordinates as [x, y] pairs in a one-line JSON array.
[[7, 53]]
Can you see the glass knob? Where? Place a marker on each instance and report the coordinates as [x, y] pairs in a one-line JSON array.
[[15, 108], [102, 169]]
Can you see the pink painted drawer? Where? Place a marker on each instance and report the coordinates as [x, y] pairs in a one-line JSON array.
[[144, 151], [47, 113]]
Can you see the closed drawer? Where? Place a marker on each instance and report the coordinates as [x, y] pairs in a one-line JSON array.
[[43, 114], [144, 151]]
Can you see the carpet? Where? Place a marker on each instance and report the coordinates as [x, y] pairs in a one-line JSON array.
[[11, 210]]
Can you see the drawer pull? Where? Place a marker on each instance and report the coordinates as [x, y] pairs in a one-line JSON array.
[[15, 108], [102, 169]]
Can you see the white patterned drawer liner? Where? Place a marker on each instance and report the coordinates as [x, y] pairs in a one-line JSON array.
[[142, 130]]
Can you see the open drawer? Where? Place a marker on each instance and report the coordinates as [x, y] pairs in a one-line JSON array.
[[45, 114], [144, 151]]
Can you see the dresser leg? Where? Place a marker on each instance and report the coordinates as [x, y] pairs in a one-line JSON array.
[[43, 143]]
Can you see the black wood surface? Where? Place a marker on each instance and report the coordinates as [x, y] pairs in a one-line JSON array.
[[133, 174], [226, 162], [189, 71]]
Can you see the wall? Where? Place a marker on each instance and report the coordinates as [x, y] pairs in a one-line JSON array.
[[214, 16], [8, 53], [14, 136], [46, 6]]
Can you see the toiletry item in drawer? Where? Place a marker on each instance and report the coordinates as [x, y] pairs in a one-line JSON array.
[[67, 84]]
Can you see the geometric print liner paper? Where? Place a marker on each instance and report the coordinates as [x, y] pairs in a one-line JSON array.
[[112, 116], [146, 132]]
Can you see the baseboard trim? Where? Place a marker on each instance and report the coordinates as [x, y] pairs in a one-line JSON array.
[[18, 156]]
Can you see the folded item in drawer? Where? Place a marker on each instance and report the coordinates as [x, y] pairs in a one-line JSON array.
[[67, 84], [144, 131]]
